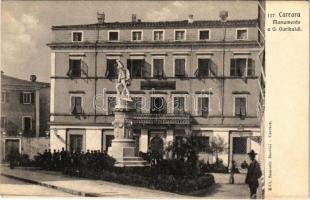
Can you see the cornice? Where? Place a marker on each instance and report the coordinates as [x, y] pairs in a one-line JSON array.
[[149, 44]]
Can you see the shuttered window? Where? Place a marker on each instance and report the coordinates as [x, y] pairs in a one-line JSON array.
[[179, 65], [240, 106], [111, 104], [179, 35], [111, 72], [158, 35], [74, 68], [27, 97], [76, 105], [241, 67], [203, 106], [158, 105], [135, 67], [239, 145], [179, 104], [158, 68], [203, 68]]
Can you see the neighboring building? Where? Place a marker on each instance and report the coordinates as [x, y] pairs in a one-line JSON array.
[[189, 77], [24, 115]]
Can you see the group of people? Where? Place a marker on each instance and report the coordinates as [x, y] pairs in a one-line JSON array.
[[65, 160]]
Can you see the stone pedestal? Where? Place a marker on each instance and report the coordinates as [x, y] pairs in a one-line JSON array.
[[123, 147]]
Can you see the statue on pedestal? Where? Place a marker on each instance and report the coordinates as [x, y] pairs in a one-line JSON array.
[[123, 81]]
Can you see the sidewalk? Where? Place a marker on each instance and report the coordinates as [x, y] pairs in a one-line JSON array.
[[98, 188], [84, 187]]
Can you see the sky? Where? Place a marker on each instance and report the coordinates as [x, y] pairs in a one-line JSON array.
[[26, 25]]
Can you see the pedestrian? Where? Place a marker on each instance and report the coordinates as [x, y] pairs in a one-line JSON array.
[[12, 158], [253, 174], [233, 170]]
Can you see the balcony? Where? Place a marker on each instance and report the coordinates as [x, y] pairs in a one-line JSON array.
[[161, 119]]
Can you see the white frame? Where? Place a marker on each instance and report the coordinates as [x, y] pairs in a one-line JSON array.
[[240, 29], [179, 57], [174, 36], [234, 102], [29, 93], [5, 122], [23, 125], [82, 38], [204, 30], [76, 95], [185, 101], [196, 106], [114, 31], [132, 31], [162, 30], [152, 65]]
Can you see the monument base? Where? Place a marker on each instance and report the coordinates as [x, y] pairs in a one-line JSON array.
[[125, 153]]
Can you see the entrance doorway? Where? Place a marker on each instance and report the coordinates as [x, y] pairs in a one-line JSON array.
[[76, 143], [157, 145], [11, 147]]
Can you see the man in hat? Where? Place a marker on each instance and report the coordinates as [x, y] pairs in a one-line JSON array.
[[254, 173]]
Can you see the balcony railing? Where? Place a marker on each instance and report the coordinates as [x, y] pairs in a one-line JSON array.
[[162, 119]]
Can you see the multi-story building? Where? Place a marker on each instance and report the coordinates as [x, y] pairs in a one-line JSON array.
[[190, 77], [24, 115]]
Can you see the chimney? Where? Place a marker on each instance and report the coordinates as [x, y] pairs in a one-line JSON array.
[[100, 17], [133, 18], [33, 78], [223, 15], [190, 18]]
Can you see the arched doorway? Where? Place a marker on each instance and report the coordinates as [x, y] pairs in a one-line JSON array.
[[157, 145]]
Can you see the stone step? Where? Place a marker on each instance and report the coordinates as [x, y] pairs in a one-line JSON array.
[[133, 158]]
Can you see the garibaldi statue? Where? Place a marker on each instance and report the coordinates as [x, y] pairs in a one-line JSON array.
[[123, 81]]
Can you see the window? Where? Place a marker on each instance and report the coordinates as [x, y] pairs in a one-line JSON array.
[[74, 68], [3, 122], [179, 66], [113, 36], [203, 106], [108, 141], [204, 35], [111, 105], [111, 71], [27, 124], [242, 34], [158, 35], [137, 103], [178, 105], [27, 97], [202, 143], [179, 35], [77, 36], [76, 105], [158, 105], [240, 107], [136, 35], [241, 67], [203, 67], [3, 97], [239, 145], [158, 67], [135, 67], [76, 142]]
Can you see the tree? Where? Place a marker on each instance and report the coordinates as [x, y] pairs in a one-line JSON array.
[[217, 145]]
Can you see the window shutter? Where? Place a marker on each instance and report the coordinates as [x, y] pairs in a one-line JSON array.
[[251, 67], [78, 105], [32, 97], [146, 69], [232, 67], [213, 68], [237, 107], [21, 95], [72, 105], [69, 73], [84, 68], [199, 109], [243, 107]]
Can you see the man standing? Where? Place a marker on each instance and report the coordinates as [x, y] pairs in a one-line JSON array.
[[254, 173]]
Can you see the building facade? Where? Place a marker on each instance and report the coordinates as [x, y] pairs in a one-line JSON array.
[[24, 115], [191, 77]]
